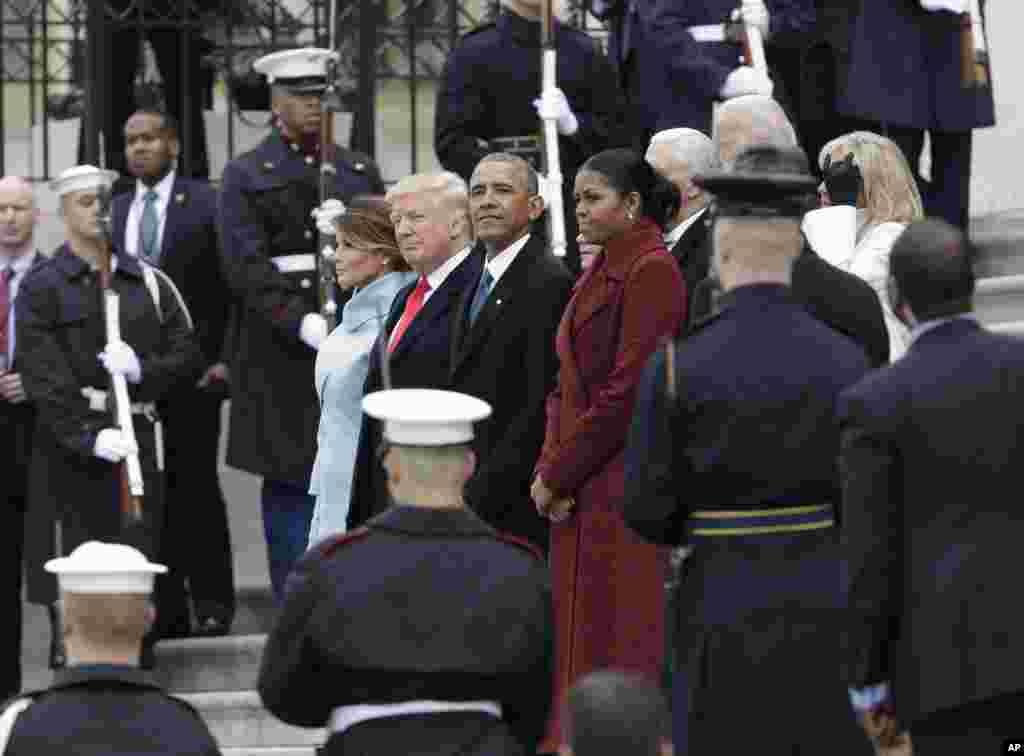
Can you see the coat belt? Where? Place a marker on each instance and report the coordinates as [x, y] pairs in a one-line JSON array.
[[761, 521], [345, 717]]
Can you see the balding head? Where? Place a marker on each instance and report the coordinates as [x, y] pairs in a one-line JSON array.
[[679, 155], [751, 121], [18, 216]]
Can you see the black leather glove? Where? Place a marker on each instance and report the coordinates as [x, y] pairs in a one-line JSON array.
[[843, 180]]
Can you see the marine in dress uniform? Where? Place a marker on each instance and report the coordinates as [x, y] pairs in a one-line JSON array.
[[74, 478], [425, 632], [18, 218], [487, 87], [931, 464], [742, 411], [103, 704], [269, 246]]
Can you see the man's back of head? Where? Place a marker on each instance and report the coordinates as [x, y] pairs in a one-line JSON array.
[[751, 121], [932, 272], [611, 713]]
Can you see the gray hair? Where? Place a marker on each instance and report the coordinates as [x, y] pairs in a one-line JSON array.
[[532, 180], [689, 146], [769, 125]]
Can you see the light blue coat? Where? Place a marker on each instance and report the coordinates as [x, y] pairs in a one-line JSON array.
[[341, 367]]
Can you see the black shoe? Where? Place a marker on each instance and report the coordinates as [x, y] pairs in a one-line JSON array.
[[58, 654], [211, 627]]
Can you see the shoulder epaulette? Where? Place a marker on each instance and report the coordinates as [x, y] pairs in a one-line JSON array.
[[357, 161], [329, 545], [520, 542]]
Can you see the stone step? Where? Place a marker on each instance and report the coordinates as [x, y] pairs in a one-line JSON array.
[[999, 239], [999, 303], [271, 751], [197, 665], [237, 719], [255, 611]]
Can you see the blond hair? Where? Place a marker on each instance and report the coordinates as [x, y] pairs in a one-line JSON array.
[[105, 618], [890, 191], [445, 187]]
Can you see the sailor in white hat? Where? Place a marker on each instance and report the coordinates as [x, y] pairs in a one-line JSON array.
[[272, 249], [105, 590], [66, 362], [446, 645]]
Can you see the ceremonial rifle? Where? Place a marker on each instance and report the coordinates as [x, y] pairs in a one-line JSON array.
[[552, 160], [132, 487], [330, 103], [753, 43]]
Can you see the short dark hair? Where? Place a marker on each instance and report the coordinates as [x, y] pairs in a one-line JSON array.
[[168, 122], [931, 264], [532, 180], [615, 712], [626, 171]]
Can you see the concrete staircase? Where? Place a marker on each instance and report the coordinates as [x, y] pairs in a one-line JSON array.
[[999, 297]]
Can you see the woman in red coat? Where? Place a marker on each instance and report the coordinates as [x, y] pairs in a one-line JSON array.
[[608, 583]]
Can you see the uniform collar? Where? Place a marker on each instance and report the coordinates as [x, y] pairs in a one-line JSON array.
[[307, 147], [620, 252], [84, 673], [524, 30], [73, 266], [405, 518]]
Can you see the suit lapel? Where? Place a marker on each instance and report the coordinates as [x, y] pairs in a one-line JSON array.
[[176, 207], [122, 205]]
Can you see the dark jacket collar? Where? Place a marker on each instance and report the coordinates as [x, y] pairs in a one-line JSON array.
[[522, 30], [948, 332], [73, 266], [756, 295], [621, 252], [430, 522], [86, 673]]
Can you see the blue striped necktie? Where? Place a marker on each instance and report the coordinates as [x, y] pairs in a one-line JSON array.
[[149, 224]]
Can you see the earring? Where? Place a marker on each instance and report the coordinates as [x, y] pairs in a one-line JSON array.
[[629, 215]]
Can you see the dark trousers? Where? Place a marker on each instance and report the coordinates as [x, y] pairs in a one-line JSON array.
[[12, 526], [948, 194], [196, 546], [183, 99], [974, 728], [287, 514]]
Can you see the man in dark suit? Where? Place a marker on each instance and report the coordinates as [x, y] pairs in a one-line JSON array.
[[503, 342], [907, 76], [742, 411], [839, 299], [18, 219], [932, 465], [679, 155], [171, 222], [431, 216]]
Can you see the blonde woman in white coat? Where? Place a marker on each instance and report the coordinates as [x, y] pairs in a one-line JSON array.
[[875, 199]]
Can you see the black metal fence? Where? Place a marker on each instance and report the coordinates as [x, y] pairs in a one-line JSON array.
[[96, 60]]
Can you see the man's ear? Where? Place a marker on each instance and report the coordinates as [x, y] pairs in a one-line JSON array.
[[536, 203], [174, 147]]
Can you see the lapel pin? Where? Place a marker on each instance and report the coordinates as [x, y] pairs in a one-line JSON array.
[[180, 198], [497, 302], [268, 166], [359, 166]]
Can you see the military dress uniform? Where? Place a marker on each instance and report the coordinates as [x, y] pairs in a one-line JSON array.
[[74, 495], [485, 101], [742, 411], [423, 633], [270, 257]]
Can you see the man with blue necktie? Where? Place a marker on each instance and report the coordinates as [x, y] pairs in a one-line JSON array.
[[171, 221]]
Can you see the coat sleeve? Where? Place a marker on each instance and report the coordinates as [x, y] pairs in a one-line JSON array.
[[290, 674], [872, 537], [653, 307], [459, 120], [263, 290], [179, 357], [506, 460], [602, 112], [685, 61], [652, 505], [46, 372]]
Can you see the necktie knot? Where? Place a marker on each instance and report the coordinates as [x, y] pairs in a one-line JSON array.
[[150, 197]]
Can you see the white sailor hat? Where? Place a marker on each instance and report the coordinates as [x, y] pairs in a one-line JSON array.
[[426, 417], [303, 70], [96, 567], [82, 177]]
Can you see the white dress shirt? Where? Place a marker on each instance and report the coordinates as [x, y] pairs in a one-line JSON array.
[[498, 264], [20, 266], [673, 236], [442, 272], [131, 229]]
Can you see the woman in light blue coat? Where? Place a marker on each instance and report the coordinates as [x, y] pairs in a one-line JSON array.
[[368, 262]]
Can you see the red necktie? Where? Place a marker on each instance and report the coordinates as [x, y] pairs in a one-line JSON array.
[[412, 306], [5, 309]]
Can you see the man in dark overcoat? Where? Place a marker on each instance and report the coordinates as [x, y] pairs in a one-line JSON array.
[[269, 243], [75, 475], [742, 412], [426, 632], [103, 704], [906, 75], [931, 466], [171, 221], [488, 88]]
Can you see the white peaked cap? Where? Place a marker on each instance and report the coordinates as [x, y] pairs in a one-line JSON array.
[[96, 567], [301, 63], [83, 177], [426, 417]]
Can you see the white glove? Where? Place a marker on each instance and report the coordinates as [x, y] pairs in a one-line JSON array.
[[325, 215], [120, 359], [746, 81], [755, 13], [112, 445], [953, 6], [313, 330], [552, 105]]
